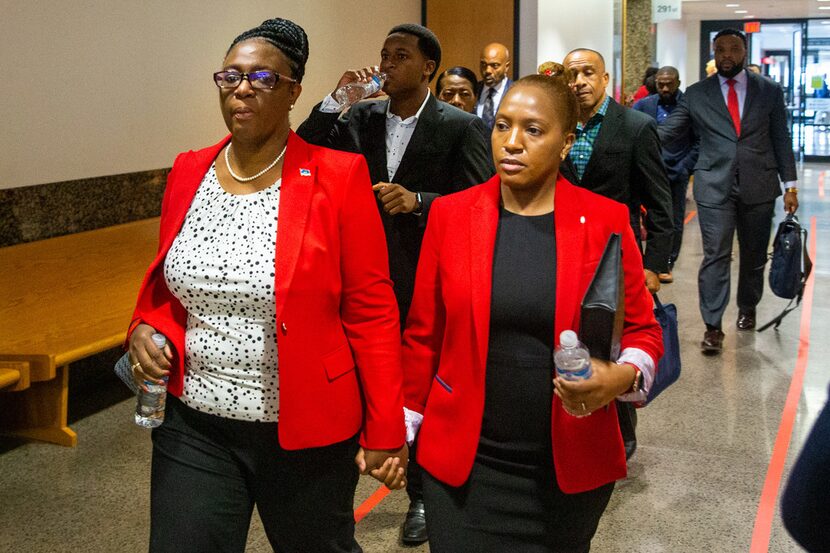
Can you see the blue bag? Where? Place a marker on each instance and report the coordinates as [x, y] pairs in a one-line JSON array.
[[668, 368], [791, 266]]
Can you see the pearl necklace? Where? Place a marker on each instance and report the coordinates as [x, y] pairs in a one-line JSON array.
[[249, 179]]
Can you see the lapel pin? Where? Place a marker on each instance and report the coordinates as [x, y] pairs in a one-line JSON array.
[[582, 219], [305, 173]]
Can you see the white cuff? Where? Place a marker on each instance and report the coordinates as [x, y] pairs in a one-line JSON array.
[[330, 105], [789, 184], [413, 421], [645, 363]]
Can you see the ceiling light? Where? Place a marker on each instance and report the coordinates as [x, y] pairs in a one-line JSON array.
[[745, 11], [824, 7], [738, 5], [749, 17], [825, 22]]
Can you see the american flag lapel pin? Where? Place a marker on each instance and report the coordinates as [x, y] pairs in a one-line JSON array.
[[305, 173]]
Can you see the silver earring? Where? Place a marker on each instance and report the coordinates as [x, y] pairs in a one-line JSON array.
[[290, 107]]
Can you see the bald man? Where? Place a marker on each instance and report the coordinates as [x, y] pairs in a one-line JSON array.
[[494, 68]]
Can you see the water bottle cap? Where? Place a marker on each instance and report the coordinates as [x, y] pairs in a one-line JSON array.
[[568, 339], [159, 340]]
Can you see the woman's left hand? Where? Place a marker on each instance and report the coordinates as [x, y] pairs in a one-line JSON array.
[[582, 397], [387, 466]]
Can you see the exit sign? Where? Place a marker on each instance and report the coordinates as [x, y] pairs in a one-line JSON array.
[[752, 27]]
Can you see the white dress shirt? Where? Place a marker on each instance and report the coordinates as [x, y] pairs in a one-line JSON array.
[[740, 88], [398, 131], [501, 88]]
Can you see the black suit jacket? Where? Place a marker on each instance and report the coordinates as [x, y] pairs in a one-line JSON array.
[[756, 160], [679, 157], [449, 151], [626, 166]]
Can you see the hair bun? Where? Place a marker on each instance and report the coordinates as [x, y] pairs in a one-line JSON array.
[[287, 36], [551, 69]]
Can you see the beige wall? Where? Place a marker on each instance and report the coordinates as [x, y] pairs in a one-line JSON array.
[[484, 21], [103, 87]]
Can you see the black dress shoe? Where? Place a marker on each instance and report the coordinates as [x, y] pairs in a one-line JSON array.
[[746, 320], [712, 343], [415, 525]]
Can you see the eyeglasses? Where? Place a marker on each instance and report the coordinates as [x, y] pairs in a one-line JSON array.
[[258, 79]]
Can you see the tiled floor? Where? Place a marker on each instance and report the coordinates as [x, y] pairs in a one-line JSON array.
[[694, 484]]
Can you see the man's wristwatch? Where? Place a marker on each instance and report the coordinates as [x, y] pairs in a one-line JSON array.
[[791, 189], [419, 204]]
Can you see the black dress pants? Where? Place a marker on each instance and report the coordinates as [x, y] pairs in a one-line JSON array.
[[208, 472], [499, 511], [718, 224]]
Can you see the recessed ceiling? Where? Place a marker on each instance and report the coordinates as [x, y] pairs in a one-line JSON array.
[[757, 9]]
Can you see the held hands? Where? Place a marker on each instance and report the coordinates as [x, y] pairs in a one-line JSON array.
[[790, 202], [148, 361], [395, 198], [358, 76], [386, 466], [652, 281], [581, 397]]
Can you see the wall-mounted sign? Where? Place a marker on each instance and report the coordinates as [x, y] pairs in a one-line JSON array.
[[664, 10], [752, 27]]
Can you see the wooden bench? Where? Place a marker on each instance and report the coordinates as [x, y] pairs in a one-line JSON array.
[[61, 300]]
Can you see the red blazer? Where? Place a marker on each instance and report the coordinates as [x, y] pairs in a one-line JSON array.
[[338, 330], [445, 343]]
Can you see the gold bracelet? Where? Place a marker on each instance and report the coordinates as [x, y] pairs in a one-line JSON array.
[[791, 189]]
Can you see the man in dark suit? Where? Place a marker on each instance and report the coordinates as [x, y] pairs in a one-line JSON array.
[[745, 147], [417, 149], [494, 68], [617, 154], [678, 157]]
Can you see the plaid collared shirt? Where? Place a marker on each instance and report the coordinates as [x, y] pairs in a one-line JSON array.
[[585, 137]]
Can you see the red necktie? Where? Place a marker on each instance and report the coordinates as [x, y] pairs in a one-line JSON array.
[[732, 106]]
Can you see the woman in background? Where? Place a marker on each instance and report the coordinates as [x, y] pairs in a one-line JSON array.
[[456, 86]]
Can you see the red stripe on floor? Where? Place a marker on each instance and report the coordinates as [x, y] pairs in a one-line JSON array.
[[772, 484], [821, 184], [689, 217], [370, 503]]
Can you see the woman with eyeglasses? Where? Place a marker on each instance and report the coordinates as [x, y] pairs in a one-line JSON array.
[[271, 285], [515, 458]]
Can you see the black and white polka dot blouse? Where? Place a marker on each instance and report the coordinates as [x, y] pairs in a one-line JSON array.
[[221, 268]]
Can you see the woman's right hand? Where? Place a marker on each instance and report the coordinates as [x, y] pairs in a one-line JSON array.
[[148, 361]]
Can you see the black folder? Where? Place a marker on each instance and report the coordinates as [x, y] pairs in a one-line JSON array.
[[603, 306]]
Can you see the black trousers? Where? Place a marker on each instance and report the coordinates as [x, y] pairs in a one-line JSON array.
[[208, 472], [500, 511], [718, 224], [678, 200]]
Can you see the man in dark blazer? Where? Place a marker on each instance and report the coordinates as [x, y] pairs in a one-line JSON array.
[[617, 154], [417, 149], [745, 147], [678, 157], [494, 68]]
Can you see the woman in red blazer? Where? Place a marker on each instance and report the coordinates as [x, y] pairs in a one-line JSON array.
[[271, 285], [518, 460]]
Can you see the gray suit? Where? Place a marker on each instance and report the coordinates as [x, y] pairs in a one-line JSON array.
[[736, 183]]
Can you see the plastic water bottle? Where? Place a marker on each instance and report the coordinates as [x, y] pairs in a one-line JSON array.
[[572, 359], [351, 93], [149, 408]]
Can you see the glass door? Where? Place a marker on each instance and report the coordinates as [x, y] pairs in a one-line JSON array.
[[816, 78]]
